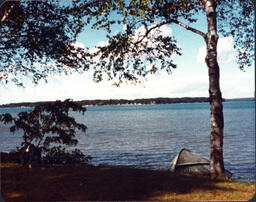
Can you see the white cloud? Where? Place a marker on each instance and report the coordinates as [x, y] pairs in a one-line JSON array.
[[180, 84], [163, 30], [139, 34], [225, 51], [150, 40], [237, 85], [201, 55], [79, 44], [95, 49], [225, 44], [81, 86], [124, 27], [100, 44]]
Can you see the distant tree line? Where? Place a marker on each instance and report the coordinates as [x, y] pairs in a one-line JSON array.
[[144, 101], [160, 100], [241, 99], [119, 101]]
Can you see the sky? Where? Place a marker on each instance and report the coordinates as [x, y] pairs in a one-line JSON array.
[[190, 79]]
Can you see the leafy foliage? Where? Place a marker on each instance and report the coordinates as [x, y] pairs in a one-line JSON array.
[[140, 48], [59, 155], [48, 124], [37, 39], [128, 55], [236, 18]]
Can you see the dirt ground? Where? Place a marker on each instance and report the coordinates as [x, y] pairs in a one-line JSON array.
[[81, 182]]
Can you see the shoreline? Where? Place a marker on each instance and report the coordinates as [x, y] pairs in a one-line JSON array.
[[130, 102], [126, 104]]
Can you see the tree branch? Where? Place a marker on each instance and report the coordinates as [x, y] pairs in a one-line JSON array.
[[149, 30], [169, 22], [189, 28]]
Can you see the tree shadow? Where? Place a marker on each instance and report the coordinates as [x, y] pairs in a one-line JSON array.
[[82, 182]]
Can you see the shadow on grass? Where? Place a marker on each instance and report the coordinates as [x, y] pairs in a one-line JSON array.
[[82, 182]]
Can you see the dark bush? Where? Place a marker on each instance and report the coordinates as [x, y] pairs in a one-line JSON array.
[[59, 155], [12, 157], [47, 125]]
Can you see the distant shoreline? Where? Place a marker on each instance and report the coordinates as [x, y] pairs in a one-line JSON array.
[[127, 102]]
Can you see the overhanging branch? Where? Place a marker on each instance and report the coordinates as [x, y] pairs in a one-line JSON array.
[[189, 28], [169, 22], [149, 30]]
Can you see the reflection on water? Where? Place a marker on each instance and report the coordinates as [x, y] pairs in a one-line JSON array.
[[149, 136]]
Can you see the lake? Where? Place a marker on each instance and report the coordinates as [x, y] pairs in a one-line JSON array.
[[149, 136]]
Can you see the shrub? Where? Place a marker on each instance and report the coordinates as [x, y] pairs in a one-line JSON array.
[[59, 155], [49, 125]]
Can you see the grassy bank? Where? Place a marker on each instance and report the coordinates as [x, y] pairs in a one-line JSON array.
[[81, 182]]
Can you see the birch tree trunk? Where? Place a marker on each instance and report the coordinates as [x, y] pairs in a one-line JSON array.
[[217, 122]]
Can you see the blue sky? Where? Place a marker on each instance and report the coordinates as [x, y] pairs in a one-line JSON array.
[[189, 79]]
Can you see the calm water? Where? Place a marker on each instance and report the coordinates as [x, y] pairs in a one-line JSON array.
[[149, 136]]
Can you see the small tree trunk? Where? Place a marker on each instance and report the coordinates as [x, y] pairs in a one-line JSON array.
[[6, 14], [217, 123]]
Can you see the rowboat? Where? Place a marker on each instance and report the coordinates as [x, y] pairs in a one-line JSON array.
[[188, 162]]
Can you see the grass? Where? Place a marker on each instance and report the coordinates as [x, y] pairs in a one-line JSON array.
[[80, 182]]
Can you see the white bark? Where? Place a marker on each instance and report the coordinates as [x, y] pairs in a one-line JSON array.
[[217, 122]]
